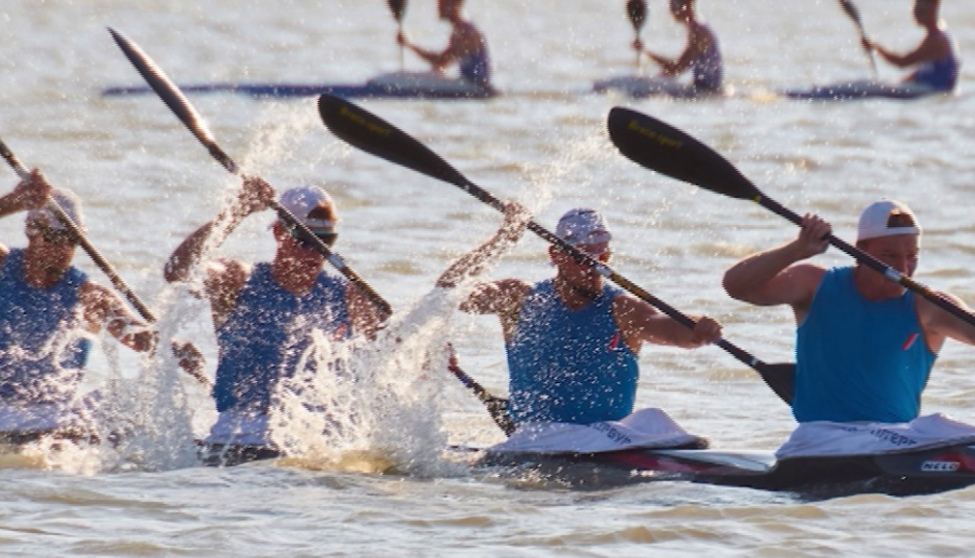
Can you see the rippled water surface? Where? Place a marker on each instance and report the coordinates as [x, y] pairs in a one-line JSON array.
[[385, 488]]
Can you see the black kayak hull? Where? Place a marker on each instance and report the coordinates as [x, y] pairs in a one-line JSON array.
[[918, 472]]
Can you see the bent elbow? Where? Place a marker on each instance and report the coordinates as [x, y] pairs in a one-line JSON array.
[[733, 287]]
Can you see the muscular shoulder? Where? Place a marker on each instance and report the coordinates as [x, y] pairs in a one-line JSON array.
[[466, 36], [226, 274], [497, 297], [701, 37], [796, 285], [629, 310]]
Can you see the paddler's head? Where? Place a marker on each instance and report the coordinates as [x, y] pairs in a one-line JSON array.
[[314, 208], [588, 231], [889, 231]]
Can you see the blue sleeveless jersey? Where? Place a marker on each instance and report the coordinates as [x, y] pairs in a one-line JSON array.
[[476, 67], [42, 346], [267, 334], [858, 360], [708, 69], [941, 75], [569, 366]]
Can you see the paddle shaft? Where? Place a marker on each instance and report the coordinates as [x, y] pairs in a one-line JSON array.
[[398, 7], [636, 10], [851, 10], [171, 95], [497, 407], [76, 233]]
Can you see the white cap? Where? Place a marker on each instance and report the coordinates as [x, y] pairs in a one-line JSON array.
[[886, 218], [68, 202], [583, 226], [303, 201]]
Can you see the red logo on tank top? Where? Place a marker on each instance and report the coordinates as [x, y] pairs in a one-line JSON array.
[[910, 341], [615, 341]]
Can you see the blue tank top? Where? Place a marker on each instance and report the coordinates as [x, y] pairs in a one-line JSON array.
[[476, 66], [569, 366], [858, 360], [42, 346], [941, 75], [708, 69], [268, 332]]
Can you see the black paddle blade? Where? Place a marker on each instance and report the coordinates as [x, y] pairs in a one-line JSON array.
[[851, 10], [781, 378], [398, 7], [637, 11], [667, 150], [366, 131], [170, 94]]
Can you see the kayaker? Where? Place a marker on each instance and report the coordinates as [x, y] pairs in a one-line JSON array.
[[935, 58], [265, 315], [701, 55], [865, 345], [572, 341], [466, 47], [50, 311]]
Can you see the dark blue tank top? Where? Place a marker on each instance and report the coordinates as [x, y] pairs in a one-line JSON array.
[[267, 334], [941, 75], [42, 346], [708, 69], [569, 365], [476, 67], [858, 360]]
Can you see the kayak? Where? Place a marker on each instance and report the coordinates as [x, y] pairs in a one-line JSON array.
[[900, 474], [397, 85], [928, 454], [647, 86], [863, 89], [230, 455]]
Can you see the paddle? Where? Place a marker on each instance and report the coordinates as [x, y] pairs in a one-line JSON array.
[[180, 105], [667, 150], [851, 10], [398, 7], [371, 134], [496, 406], [95, 255], [637, 12]]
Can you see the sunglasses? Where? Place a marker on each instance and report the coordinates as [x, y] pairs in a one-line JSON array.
[[51, 236], [327, 237]]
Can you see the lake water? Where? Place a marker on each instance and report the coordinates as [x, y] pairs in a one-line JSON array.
[[383, 488]]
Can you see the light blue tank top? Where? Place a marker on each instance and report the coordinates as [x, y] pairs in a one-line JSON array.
[[569, 366], [268, 332], [42, 347], [708, 69], [476, 67], [858, 360]]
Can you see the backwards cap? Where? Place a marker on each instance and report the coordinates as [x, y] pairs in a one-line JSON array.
[[583, 226], [304, 201], [886, 218], [68, 202]]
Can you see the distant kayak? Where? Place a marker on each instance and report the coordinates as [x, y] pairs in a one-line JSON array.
[[647, 86], [397, 85], [863, 89]]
